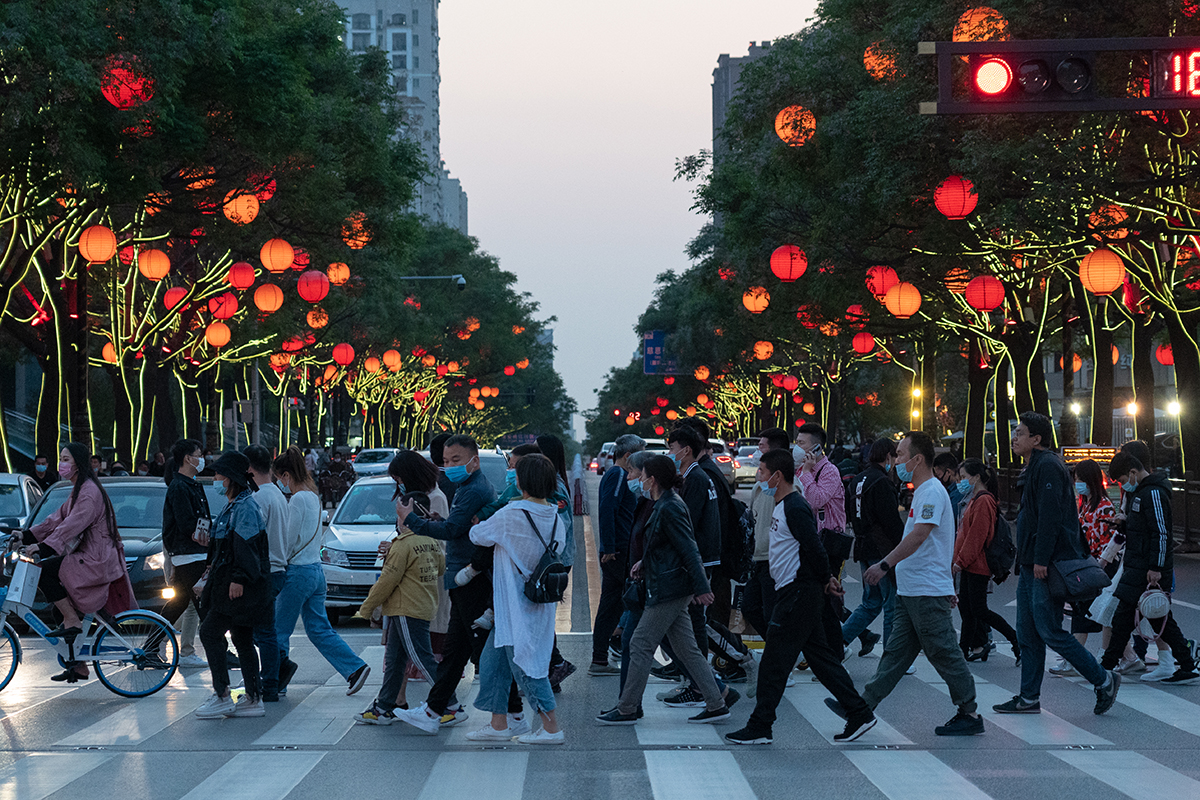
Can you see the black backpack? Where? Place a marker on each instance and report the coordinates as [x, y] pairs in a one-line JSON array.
[[548, 581], [741, 527], [1001, 552]]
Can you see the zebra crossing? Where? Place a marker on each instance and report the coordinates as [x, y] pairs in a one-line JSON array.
[[309, 747]]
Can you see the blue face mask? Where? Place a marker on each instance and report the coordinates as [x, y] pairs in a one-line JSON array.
[[674, 459], [635, 486], [964, 487], [765, 489], [457, 474], [1081, 488], [510, 476], [1129, 487], [903, 472]]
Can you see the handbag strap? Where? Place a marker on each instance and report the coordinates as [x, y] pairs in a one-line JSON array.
[[300, 549]]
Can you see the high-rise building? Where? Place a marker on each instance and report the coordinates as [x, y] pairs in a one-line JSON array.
[[407, 31], [725, 86]]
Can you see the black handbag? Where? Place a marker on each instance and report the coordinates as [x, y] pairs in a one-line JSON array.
[[1076, 580], [634, 595]]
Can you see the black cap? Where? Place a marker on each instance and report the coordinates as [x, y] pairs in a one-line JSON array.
[[236, 467]]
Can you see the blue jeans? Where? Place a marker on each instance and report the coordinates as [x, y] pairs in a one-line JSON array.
[[497, 671], [303, 594], [267, 643], [1039, 625], [880, 597], [629, 624]]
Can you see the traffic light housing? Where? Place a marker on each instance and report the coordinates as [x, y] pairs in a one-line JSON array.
[[1057, 75]]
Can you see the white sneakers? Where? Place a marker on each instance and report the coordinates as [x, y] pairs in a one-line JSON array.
[[519, 725], [419, 718], [489, 734], [220, 707], [246, 707], [1130, 666], [542, 736], [192, 662], [1063, 669], [1164, 670]]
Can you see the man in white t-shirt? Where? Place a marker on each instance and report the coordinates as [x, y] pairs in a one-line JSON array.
[[925, 592]]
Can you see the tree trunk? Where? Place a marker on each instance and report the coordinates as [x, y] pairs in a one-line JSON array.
[[1143, 382], [1102, 385], [1187, 385], [1068, 420], [978, 377], [929, 420]]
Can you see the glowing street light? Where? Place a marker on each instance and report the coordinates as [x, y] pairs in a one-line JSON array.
[[916, 392], [1076, 409], [1173, 408], [1131, 409]]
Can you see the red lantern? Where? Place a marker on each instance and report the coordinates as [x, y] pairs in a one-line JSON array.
[[855, 315], [863, 343], [292, 344], [123, 84], [300, 259], [354, 231], [313, 286], [277, 256], [880, 280], [268, 298], [241, 276], [756, 299], [984, 293], [1102, 271], [240, 209], [338, 273], [763, 350], [510, 371], [668, 380], [957, 279], [109, 353], [153, 264], [317, 318], [1165, 355], [701, 373], [217, 334], [788, 263], [263, 186], [659, 430], [956, 197], [173, 297], [97, 244], [903, 300], [343, 354], [223, 306], [662, 402], [795, 125], [791, 382]]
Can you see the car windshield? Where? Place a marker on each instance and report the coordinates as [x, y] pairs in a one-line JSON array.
[[138, 506], [11, 504], [747, 451], [368, 504], [373, 456]]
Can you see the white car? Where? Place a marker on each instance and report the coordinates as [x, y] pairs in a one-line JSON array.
[[373, 462], [605, 459], [18, 495], [745, 465]]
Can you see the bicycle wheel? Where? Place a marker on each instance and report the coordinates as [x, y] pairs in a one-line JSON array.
[[10, 654], [138, 656]]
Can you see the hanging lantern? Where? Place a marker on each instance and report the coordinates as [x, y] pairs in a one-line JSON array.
[[662, 402], [795, 125], [523, 363], [659, 430], [808, 408], [984, 293], [313, 286], [241, 275], [343, 354], [510, 371], [669, 380], [109, 353], [317, 318], [879, 280], [863, 343], [1116, 355], [1165, 355], [372, 364], [153, 264], [672, 415], [126, 254], [763, 350], [790, 383], [223, 306], [277, 256], [1107, 218], [956, 197], [981, 24], [630, 420], [701, 398], [97, 244], [173, 297], [292, 344], [124, 84], [300, 259], [788, 262], [392, 359], [217, 334], [429, 360], [354, 231], [880, 64], [240, 209], [855, 316], [338, 273], [1076, 362], [701, 373], [268, 298], [1102, 272], [903, 300], [690, 411], [756, 299], [280, 361], [957, 279]]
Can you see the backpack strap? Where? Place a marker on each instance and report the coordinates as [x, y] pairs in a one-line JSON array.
[[528, 516]]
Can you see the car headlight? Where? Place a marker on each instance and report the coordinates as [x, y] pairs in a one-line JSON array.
[[335, 558], [156, 561]]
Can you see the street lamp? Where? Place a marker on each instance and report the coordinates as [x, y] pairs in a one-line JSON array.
[[916, 413], [1173, 408], [1076, 409], [1131, 409], [916, 392]]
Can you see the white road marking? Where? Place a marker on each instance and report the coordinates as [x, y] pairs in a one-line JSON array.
[[42, 774], [1132, 774], [913, 775], [256, 776], [138, 721], [684, 775], [484, 775], [809, 700]]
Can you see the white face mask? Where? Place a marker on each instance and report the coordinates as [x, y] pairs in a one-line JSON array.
[[199, 463], [798, 453]]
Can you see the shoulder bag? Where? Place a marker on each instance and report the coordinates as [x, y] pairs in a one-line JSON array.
[[1076, 580]]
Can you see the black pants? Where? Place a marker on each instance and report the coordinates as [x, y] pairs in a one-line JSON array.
[[467, 604], [49, 582], [1122, 629], [977, 618], [182, 581], [610, 607], [796, 626], [758, 600], [212, 636], [722, 604]]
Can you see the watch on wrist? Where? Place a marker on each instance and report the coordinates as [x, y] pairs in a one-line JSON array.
[[885, 566]]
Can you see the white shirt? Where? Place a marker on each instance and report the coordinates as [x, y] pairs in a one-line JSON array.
[[926, 573], [274, 508], [783, 551], [526, 627], [303, 529]]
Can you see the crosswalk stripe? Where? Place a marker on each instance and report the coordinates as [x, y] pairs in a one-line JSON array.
[[138, 721], [42, 774], [1161, 706], [485, 775], [913, 775], [1132, 774], [664, 725], [683, 775], [256, 776], [20, 699], [1036, 729], [323, 718], [809, 700]]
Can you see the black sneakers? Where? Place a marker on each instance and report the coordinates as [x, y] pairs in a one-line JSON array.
[[748, 736], [1106, 695], [1018, 706], [615, 717], [856, 728], [688, 698], [706, 716], [961, 725], [1183, 677], [869, 639]]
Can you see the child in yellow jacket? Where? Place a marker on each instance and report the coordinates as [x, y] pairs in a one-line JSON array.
[[406, 591]]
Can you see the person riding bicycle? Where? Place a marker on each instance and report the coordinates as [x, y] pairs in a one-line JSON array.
[[83, 560]]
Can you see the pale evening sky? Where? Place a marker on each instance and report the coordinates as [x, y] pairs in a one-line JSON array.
[[564, 120]]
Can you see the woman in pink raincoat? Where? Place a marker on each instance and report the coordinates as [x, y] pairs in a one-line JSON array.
[[83, 560]]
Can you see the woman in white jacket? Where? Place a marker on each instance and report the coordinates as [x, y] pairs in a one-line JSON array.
[[522, 637]]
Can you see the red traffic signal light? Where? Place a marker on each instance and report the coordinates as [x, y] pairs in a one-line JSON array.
[[993, 76], [1033, 77]]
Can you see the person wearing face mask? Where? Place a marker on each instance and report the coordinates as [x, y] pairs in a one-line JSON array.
[[274, 509], [1149, 561], [758, 598], [641, 515], [183, 509], [871, 504], [615, 516], [977, 483], [42, 473], [82, 558], [945, 469], [143, 469]]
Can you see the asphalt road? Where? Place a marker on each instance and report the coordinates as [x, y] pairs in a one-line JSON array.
[[81, 741]]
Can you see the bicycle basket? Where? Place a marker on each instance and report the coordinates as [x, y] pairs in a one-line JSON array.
[[23, 588]]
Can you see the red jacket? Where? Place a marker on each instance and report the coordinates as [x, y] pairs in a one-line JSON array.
[[975, 532]]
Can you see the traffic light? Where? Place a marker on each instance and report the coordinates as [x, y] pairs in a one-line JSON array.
[[1065, 75]]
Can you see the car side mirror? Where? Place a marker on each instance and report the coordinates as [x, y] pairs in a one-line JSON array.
[[325, 515]]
